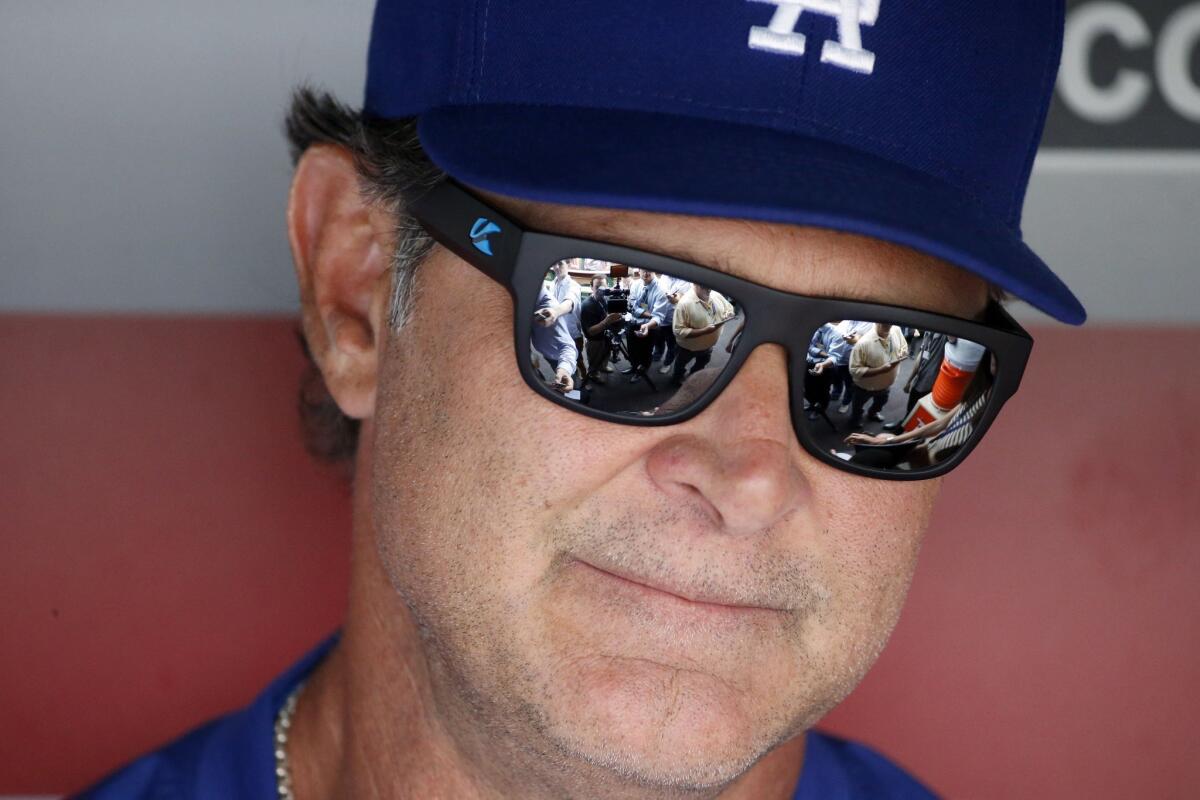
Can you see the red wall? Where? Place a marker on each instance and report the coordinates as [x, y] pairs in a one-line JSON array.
[[166, 547]]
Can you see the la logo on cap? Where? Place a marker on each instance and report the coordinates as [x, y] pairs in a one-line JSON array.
[[780, 36]]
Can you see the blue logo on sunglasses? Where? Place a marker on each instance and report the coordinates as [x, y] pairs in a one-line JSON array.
[[480, 231]]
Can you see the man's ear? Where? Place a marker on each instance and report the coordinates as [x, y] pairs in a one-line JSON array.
[[341, 247]]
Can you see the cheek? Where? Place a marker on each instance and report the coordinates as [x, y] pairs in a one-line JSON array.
[[466, 459], [872, 532]]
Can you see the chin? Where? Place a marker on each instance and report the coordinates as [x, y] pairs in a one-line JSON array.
[[657, 725]]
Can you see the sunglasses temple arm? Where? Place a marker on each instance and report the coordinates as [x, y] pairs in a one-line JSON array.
[[471, 229]]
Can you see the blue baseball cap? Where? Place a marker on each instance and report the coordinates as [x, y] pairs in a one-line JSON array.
[[913, 121]]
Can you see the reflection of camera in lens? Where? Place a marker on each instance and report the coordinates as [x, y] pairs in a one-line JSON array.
[[616, 301]]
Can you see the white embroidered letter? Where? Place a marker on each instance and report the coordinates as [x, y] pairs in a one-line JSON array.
[[780, 36]]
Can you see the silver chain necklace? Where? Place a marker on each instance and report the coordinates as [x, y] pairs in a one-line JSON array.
[[283, 725]]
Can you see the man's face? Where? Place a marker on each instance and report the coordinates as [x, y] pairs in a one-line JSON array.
[[702, 292], [882, 330], [673, 604]]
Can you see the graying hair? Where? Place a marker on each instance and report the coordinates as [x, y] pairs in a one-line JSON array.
[[392, 169]]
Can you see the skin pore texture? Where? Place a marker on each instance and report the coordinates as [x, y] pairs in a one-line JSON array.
[[548, 605]]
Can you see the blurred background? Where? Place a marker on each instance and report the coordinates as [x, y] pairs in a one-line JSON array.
[[166, 546]]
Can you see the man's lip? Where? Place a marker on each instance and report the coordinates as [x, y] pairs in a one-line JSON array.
[[699, 599]]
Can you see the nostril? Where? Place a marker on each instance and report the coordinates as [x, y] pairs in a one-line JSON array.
[[703, 502]]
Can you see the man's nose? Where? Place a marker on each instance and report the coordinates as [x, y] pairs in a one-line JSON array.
[[739, 459]]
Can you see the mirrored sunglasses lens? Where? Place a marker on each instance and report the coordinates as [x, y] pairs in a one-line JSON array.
[[893, 397], [627, 340]]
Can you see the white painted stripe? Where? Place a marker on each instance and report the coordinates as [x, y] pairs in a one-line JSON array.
[[1121, 161]]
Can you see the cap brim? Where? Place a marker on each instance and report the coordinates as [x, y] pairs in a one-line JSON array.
[[659, 162]]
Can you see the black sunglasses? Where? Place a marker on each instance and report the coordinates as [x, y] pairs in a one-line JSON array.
[[594, 354]]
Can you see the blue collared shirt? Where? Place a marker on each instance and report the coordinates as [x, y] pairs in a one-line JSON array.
[[654, 300], [827, 340], [565, 288], [555, 343]]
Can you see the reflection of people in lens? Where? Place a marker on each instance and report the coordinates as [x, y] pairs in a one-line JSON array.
[[598, 324], [697, 327], [636, 284], [929, 444], [873, 363], [554, 353], [649, 310], [567, 299], [824, 350], [675, 289], [843, 385], [920, 381]]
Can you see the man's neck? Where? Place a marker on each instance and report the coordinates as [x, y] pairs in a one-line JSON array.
[[366, 724]]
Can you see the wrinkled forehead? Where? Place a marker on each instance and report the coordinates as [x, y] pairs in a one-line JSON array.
[[792, 258]]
